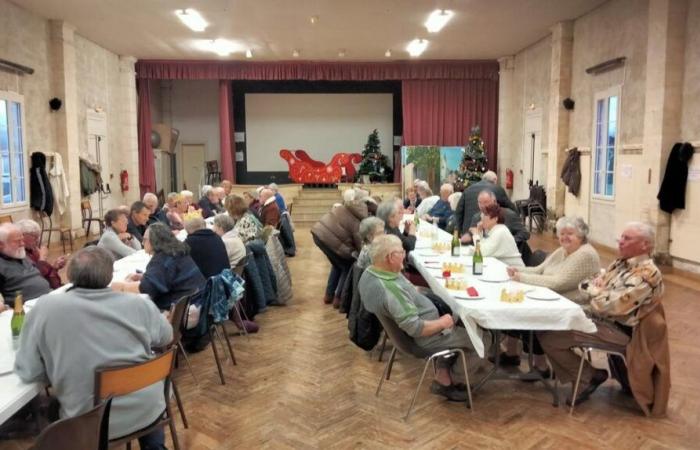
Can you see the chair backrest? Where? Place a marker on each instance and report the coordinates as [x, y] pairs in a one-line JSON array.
[[6, 218], [86, 209], [123, 380], [88, 431], [403, 342], [178, 316], [238, 270]]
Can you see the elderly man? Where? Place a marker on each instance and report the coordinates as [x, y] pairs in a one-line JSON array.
[[206, 248], [631, 282], [208, 202], [467, 206], [441, 212], [269, 211], [68, 335], [278, 197], [428, 200], [512, 220], [156, 212], [138, 220], [17, 272], [220, 196], [31, 233], [387, 293]]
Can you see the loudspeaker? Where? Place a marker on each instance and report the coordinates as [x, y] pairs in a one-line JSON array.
[[568, 104], [55, 104]]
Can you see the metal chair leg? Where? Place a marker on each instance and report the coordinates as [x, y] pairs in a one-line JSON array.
[[228, 344], [578, 380], [179, 403], [216, 356], [381, 351], [240, 320], [415, 394], [385, 374], [187, 361], [391, 363], [466, 378]]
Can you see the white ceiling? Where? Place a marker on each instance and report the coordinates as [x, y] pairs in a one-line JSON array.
[[365, 29]]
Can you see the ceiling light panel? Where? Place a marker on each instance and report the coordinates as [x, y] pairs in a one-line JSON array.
[[192, 19], [438, 19], [416, 47], [221, 47]]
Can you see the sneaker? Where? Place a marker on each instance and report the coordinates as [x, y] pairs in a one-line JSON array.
[[451, 392]]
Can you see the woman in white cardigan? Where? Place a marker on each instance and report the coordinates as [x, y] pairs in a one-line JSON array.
[[498, 242], [223, 226]]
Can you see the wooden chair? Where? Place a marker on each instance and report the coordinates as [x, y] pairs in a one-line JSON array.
[[47, 227], [178, 319], [88, 431], [6, 219], [124, 380], [86, 212]]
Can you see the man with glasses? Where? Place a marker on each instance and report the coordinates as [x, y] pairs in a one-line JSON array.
[[616, 296]]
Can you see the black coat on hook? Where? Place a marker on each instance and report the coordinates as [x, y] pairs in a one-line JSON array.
[[40, 191]]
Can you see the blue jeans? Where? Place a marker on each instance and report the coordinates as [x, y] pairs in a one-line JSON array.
[[154, 440], [339, 269]]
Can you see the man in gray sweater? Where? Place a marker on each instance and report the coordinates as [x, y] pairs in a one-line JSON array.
[[67, 336], [387, 293]]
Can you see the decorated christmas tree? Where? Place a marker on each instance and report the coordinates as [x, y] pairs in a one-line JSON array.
[[374, 163], [474, 161]]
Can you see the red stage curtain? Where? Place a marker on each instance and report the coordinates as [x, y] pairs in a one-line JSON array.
[[441, 112], [311, 70], [147, 166], [226, 130]]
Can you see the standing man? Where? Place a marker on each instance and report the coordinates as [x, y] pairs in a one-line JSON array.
[[467, 206]]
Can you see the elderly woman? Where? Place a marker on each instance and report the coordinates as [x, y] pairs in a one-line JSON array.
[[252, 199], [170, 274], [453, 199], [176, 214], [412, 200], [188, 196], [115, 239], [389, 212], [370, 228], [31, 233], [247, 227], [224, 227], [497, 241]]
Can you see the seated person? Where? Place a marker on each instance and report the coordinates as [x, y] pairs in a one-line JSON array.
[[176, 213], [220, 196], [223, 226], [269, 211], [370, 228], [252, 200], [17, 272], [412, 201], [206, 248], [208, 201], [386, 292], [388, 211], [31, 232], [427, 199], [362, 195], [170, 274], [453, 200], [156, 212], [227, 186], [115, 238], [247, 227], [441, 211], [138, 220], [278, 197], [511, 219], [631, 282], [497, 241], [188, 196], [170, 202], [120, 329]]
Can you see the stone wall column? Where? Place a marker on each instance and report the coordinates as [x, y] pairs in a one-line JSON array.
[[506, 112]]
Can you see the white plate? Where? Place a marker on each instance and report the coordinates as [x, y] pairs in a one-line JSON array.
[[541, 294], [462, 295], [494, 279], [424, 253]]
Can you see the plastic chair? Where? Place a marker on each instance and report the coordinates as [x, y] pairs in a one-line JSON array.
[[406, 345], [88, 431], [124, 380]]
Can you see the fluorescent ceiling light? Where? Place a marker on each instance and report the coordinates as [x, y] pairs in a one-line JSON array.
[[221, 47], [438, 19], [388, 53], [295, 53], [417, 46], [192, 19], [248, 53]]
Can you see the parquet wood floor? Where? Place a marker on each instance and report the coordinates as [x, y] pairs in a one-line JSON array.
[[301, 384]]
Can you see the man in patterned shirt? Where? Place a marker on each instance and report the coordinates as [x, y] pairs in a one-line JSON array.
[[616, 296]]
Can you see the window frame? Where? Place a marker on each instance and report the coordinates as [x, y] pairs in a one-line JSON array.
[[614, 91], [9, 97]]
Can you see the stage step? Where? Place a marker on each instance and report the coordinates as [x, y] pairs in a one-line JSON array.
[[312, 203]]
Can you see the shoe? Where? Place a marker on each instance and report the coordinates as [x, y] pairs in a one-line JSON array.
[[546, 374], [506, 360], [250, 326], [327, 299], [336, 302], [451, 392], [598, 378]]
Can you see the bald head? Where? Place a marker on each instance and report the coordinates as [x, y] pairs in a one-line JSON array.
[[265, 194]]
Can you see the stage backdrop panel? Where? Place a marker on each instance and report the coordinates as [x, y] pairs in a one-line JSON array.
[[431, 163], [321, 124]]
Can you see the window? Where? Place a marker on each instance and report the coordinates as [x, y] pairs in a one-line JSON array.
[[605, 136], [13, 189]]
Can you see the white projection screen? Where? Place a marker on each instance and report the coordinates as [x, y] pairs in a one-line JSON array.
[[321, 124]]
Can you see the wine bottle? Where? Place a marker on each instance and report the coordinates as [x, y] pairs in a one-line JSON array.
[[456, 246], [477, 260], [17, 319]]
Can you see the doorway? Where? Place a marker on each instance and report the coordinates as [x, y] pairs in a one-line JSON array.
[[192, 158]]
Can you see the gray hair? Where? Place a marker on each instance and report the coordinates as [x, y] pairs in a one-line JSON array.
[[348, 195], [187, 193], [646, 230], [575, 223], [454, 199], [382, 246], [490, 176], [150, 197], [163, 241], [367, 228], [173, 196], [206, 189], [273, 186], [225, 222], [488, 192], [194, 224], [28, 226], [91, 268], [447, 187], [386, 209], [361, 194], [6, 229]]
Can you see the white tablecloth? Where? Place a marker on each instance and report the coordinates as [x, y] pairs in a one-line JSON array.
[[490, 312]]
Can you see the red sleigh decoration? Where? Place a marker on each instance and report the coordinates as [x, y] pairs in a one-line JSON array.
[[303, 169]]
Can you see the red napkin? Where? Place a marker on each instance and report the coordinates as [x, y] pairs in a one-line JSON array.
[[471, 290]]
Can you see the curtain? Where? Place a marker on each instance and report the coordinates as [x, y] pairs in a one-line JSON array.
[[228, 171], [147, 166], [441, 112], [312, 70]]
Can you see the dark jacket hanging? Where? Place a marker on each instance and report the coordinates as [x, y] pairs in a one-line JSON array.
[[41, 193], [571, 171], [672, 191]]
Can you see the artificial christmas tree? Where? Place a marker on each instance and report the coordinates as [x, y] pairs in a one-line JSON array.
[[474, 161], [374, 164]]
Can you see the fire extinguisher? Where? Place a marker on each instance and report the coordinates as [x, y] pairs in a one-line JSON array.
[[509, 179], [124, 180]]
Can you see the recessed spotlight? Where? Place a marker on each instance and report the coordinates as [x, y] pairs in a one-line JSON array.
[[313, 20], [192, 19], [416, 47], [388, 53], [295, 53], [341, 53], [248, 53], [438, 19]]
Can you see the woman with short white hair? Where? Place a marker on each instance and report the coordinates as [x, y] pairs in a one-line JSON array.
[[370, 228]]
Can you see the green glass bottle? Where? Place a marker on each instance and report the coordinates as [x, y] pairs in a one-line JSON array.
[[456, 246], [416, 220], [477, 260], [17, 319]]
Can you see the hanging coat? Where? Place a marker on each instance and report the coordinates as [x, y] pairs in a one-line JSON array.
[[41, 193], [672, 191], [59, 183], [571, 171]]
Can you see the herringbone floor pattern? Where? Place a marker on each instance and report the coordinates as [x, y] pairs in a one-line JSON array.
[[301, 384]]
